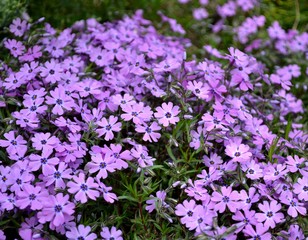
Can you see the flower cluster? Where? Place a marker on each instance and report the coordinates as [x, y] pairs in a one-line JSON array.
[[113, 113]]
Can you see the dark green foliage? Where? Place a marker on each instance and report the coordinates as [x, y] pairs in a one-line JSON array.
[[10, 9]]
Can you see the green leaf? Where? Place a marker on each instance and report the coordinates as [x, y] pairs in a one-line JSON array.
[[288, 128], [273, 148], [128, 198], [171, 153]]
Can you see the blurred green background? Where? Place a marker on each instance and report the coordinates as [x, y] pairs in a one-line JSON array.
[[63, 13]]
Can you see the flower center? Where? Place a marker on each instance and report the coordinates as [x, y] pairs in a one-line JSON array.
[[168, 115], [189, 213], [59, 101], [58, 208], [257, 237], [216, 121], [83, 187], [237, 154], [269, 214], [148, 130], [43, 160], [102, 165], [33, 108], [293, 204], [57, 175], [32, 196], [225, 199]]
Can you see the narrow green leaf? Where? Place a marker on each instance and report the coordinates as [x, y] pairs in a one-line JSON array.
[[128, 198], [288, 128], [171, 153], [273, 148]]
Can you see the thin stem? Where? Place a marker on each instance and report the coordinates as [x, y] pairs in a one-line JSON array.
[[297, 15]]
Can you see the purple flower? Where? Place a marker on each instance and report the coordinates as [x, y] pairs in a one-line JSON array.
[[56, 177], [18, 27], [14, 144], [198, 89], [212, 175], [200, 14], [167, 114], [16, 47], [253, 170], [213, 122], [136, 112], [301, 188], [187, 211], [203, 219], [4, 176], [227, 197], [32, 54], [102, 164], [260, 232], [197, 191], [295, 232], [149, 131], [245, 219], [60, 101], [238, 57], [295, 206], [124, 100], [30, 228], [119, 157], [83, 188], [293, 163], [270, 215], [112, 234], [238, 152], [32, 196], [80, 232], [12, 82], [272, 172], [56, 209], [107, 195], [156, 202], [215, 90], [214, 160], [51, 72], [275, 31], [28, 71], [108, 127], [105, 101], [246, 200], [140, 153], [44, 141]]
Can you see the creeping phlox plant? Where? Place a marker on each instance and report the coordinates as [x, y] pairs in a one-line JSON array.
[[109, 132]]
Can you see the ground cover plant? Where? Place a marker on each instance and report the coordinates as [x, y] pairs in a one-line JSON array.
[[115, 131]]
